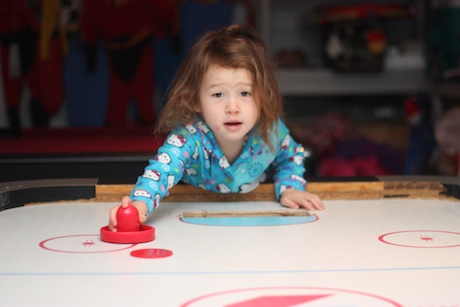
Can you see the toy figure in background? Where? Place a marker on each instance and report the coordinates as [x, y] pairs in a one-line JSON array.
[[355, 46], [85, 91], [419, 115], [225, 132], [354, 36], [127, 28], [447, 131], [32, 50]]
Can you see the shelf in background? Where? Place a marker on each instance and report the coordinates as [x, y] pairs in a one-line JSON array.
[[304, 82]]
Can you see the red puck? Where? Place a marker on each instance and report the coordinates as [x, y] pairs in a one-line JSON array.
[[151, 253]]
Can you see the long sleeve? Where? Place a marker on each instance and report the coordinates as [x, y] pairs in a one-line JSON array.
[[288, 165], [165, 170]]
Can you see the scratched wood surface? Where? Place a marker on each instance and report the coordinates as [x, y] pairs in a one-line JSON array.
[[265, 192]]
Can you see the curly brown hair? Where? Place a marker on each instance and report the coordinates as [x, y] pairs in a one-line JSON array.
[[236, 46]]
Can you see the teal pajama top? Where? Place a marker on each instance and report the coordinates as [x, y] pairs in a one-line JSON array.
[[191, 154]]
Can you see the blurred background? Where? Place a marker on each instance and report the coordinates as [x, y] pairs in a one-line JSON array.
[[370, 87]]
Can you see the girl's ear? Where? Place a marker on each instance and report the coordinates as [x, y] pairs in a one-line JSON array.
[[197, 108]]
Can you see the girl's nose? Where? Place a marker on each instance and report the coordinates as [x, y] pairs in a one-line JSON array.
[[232, 107]]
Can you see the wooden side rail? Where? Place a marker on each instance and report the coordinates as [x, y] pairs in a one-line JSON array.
[[20, 193], [325, 190]]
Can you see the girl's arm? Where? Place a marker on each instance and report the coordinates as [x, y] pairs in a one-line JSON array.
[[289, 171], [165, 170]]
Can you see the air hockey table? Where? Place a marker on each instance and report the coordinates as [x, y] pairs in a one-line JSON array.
[[393, 241]]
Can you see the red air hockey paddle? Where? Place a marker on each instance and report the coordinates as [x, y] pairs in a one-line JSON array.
[[128, 229]]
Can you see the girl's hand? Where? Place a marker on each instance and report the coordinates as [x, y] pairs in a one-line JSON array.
[[296, 199], [140, 206]]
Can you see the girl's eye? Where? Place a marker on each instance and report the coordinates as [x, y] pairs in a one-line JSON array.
[[245, 94], [217, 95]]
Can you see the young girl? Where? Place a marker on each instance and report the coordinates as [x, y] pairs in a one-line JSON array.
[[225, 132]]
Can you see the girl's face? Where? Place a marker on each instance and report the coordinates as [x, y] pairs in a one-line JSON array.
[[227, 103]]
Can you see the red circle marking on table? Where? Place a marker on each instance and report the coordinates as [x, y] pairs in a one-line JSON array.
[[151, 253], [80, 247], [422, 238]]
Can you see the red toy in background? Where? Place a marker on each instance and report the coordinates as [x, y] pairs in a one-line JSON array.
[[32, 50], [127, 28], [412, 111]]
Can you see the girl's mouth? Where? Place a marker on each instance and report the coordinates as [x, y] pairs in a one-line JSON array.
[[233, 123]]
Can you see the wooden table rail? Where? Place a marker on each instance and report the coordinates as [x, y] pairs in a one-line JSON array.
[[20, 193]]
